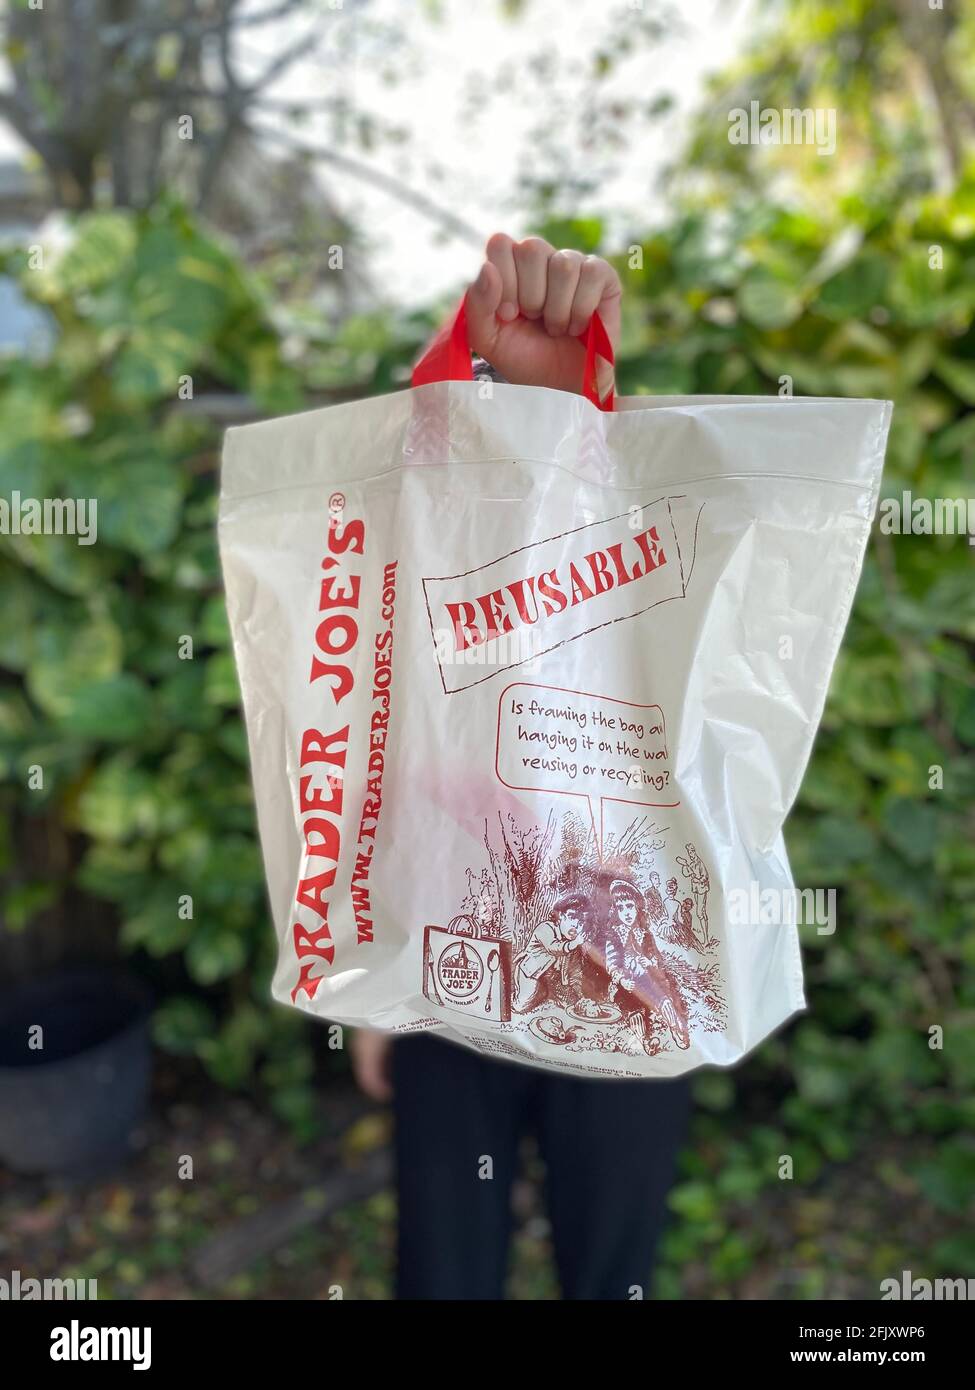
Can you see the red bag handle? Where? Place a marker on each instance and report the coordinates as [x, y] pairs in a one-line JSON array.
[[448, 356]]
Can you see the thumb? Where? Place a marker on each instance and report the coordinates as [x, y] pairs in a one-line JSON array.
[[483, 302]]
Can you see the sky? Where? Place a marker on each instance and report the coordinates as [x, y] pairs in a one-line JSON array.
[[478, 161], [470, 163]]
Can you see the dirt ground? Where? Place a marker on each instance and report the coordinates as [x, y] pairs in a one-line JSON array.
[[143, 1231]]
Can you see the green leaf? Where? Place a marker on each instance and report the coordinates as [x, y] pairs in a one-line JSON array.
[[181, 291], [912, 827], [24, 609], [879, 689], [114, 871], [694, 1201], [67, 660], [921, 295], [215, 953], [117, 710], [221, 681], [182, 701], [955, 1255], [949, 1179], [120, 801], [23, 903], [833, 783], [72, 567], [216, 627], [182, 1024], [899, 1056], [854, 290], [229, 1057], [959, 375], [767, 300], [139, 499], [101, 246], [158, 922]]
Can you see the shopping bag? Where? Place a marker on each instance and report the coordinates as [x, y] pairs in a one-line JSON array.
[[530, 680]]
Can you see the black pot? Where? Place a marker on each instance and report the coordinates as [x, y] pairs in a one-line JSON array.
[[70, 1108]]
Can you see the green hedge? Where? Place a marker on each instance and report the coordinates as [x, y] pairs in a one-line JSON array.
[[145, 770]]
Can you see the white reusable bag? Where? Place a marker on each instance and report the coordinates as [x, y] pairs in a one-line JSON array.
[[530, 686]]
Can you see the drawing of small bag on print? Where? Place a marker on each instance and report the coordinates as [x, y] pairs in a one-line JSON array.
[[467, 972]]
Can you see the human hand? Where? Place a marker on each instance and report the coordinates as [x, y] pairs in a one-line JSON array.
[[370, 1051], [556, 293]]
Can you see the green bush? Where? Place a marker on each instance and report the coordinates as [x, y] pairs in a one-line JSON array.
[[118, 681], [144, 760]]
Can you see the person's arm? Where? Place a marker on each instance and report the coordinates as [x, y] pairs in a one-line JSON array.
[[547, 938], [371, 1054], [523, 310]]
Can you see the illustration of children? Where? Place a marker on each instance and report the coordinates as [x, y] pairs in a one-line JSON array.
[[544, 969], [644, 986], [628, 929]]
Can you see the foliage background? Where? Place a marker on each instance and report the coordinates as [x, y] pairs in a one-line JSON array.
[[771, 263]]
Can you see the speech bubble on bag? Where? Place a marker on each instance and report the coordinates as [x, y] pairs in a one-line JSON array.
[[578, 743]]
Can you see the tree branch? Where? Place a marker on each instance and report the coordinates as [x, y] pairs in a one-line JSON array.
[[201, 28], [379, 179]]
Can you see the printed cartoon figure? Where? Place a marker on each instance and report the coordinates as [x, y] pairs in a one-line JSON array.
[[671, 902], [545, 969], [600, 958], [694, 869], [683, 925], [587, 930], [643, 985], [627, 925], [677, 933], [655, 903]]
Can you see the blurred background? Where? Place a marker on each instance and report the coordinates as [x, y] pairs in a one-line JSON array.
[[217, 211]]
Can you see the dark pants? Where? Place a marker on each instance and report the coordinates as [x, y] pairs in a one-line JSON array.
[[609, 1149]]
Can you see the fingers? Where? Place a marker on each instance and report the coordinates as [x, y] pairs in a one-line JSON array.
[[531, 262], [484, 298], [564, 269], [597, 287], [500, 251], [561, 288]]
